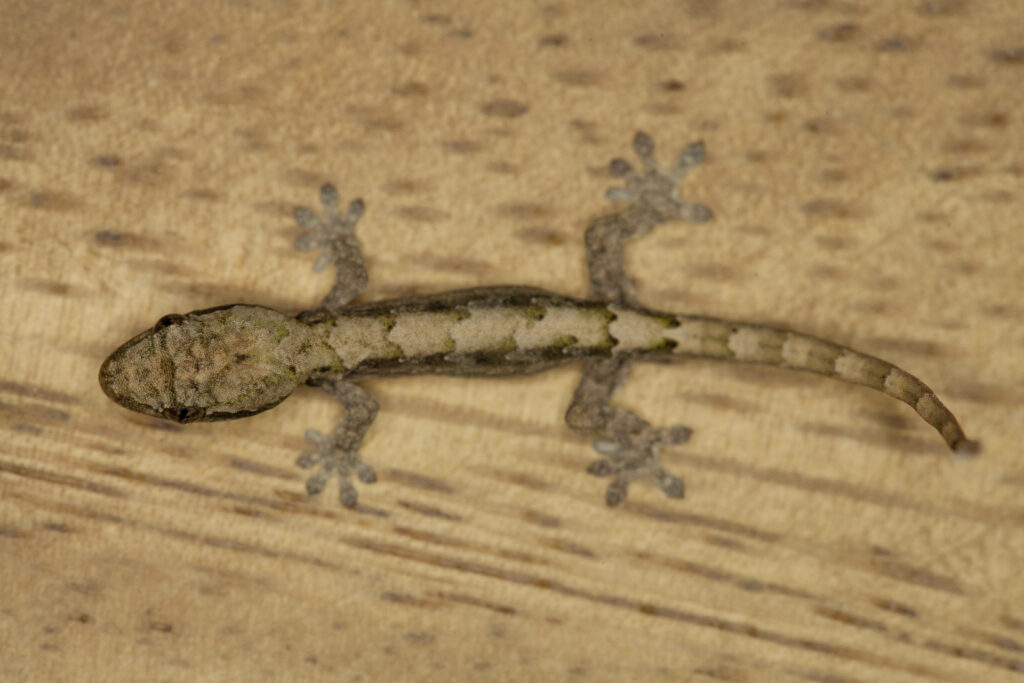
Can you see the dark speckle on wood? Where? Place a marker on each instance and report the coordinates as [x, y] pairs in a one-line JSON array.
[[504, 108], [1012, 56], [553, 40], [839, 33]]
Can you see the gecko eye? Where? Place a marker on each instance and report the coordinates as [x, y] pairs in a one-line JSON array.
[[167, 321], [184, 415]]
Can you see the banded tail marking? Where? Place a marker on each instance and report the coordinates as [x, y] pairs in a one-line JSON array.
[[644, 332], [757, 344]]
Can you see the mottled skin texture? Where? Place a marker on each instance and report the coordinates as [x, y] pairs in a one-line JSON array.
[[234, 361]]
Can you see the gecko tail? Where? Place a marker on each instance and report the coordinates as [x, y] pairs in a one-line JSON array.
[[705, 337], [859, 368]]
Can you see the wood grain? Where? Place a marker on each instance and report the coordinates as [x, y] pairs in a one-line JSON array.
[[865, 169]]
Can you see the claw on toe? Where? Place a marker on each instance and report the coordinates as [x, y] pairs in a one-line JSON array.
[[691, 155], [643, 145], [331, 233], [638, 457], [334, 460], [654, 189], [624, 473]]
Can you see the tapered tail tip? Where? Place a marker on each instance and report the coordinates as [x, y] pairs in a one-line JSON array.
[[965, 448]]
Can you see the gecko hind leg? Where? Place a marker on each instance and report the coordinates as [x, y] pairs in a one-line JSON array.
[[628, 442], [335, 236], [653, 196], [338, 454]]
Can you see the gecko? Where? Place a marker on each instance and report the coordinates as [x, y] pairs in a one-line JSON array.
[[238, 360]]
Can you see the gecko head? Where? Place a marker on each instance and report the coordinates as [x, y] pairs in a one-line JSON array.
[[214, 364]]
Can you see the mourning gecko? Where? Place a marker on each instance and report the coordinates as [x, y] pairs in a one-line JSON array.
[[238, 360]]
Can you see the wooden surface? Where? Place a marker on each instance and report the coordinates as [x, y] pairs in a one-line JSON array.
[[865, 167]]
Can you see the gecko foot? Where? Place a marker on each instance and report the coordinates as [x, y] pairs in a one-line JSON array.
[[335, 458], [334, 234], [636, 456], [654, 190]]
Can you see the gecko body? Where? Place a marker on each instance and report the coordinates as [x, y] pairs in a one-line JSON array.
[[238, 360]]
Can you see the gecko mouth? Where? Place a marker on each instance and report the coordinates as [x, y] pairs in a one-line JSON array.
[[221, 416]]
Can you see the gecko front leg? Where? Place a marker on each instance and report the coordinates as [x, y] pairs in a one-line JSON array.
[[628, 442], [338, 453], [335, 235]]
